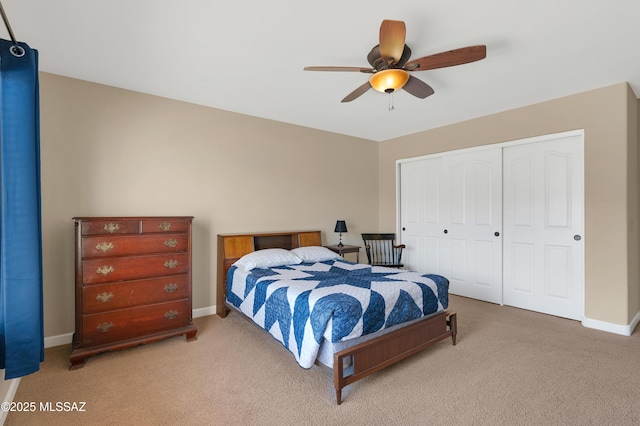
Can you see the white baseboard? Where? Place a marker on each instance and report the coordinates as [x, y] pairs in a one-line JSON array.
[[8, 397], [624, 330], [61, 339], [65, 339], [203, 312]]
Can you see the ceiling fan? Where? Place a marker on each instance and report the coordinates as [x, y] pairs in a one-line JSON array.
[[390, 65]]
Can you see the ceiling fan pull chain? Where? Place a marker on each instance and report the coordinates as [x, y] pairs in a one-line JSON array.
[[391, 107]]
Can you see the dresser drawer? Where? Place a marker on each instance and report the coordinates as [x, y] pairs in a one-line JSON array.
[[107, 297], [96, 271], [110, 227], [125, 245], [164, 225], [124, 323]]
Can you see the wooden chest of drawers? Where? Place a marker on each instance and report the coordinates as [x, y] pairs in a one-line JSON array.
[[133, 283]]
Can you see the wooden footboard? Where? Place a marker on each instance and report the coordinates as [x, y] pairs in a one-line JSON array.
[[374, 355]]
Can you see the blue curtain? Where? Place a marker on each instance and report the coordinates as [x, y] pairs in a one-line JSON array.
[[21, 321]]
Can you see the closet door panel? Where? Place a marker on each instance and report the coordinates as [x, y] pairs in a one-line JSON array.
[[420, 183], [473, 182], [544, 227]]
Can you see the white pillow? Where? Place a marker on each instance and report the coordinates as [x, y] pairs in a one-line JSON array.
[[315, 254], [267, 258]]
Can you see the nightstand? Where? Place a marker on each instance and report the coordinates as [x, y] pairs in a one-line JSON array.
[[341, 250]]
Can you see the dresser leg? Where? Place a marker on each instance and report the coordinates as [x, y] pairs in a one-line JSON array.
[[191, 335], [76, 362]]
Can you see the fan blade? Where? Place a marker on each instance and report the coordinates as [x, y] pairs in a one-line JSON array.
[[418, 88], [406, 54], [374, 57], [357, 93], [464, 55], [353, 69], [392, 35]]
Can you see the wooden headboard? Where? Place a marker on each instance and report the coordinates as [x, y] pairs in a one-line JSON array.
[[232, 247]]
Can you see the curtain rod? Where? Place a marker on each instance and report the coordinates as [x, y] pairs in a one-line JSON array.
[[15, 50]]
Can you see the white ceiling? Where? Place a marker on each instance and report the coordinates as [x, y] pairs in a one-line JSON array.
[[248, 56]]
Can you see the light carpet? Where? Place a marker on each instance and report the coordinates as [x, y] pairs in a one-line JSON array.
[[510, 367]]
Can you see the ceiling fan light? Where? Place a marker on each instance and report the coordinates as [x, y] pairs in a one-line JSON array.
[[389, 80]]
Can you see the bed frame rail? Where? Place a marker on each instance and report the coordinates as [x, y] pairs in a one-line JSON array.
[[374, 355]]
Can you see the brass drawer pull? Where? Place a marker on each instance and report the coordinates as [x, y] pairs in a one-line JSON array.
[[111, 227], [171, 314], [104, 327], [165, 226], [171, 243], [171, 288], [104, 297], [105, 246], [171, 264], [105, 270]]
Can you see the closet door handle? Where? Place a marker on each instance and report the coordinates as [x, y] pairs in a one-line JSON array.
[[577, 237], [446, 232], [497, 234]]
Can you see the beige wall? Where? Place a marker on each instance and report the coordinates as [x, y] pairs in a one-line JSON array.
[[611, 182], [107, 151]]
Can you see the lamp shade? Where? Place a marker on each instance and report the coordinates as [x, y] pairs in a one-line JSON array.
[[389, 80], [341, 226]]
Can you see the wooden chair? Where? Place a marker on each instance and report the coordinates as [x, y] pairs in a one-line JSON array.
[[382, 250]]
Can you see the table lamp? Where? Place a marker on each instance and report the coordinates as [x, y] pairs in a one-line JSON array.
[[341, 227]]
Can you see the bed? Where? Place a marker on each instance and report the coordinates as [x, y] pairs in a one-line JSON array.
[[279, 281]]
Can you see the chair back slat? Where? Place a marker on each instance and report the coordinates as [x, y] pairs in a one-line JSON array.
[[382, 251]]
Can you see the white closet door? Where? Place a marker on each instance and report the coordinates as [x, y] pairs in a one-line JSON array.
[[544, 226], [450, 214], [421, 216], [472, 245]]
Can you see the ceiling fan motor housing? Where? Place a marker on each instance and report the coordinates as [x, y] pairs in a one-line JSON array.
[[378, 63]]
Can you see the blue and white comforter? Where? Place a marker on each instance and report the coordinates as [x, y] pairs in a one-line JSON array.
[[336, 300]]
